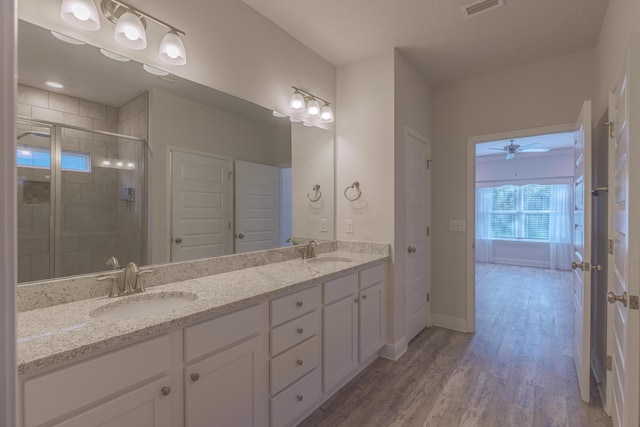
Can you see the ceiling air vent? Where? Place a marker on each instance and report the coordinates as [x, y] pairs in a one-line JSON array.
[[480, 7]]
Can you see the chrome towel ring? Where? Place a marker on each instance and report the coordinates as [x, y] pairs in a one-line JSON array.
[[355, 186], [317, 194]]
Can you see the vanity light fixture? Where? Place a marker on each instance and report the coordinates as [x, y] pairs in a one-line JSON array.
[[81, 14], [66, 39], [53, 84], [303, 101], [114, 56], [278, 114], [153, 70], [131, 25]]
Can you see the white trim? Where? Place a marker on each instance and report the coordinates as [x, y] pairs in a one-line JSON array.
[[471, 203], [169, 150], [395, 351], [8, 245], [448, 322]]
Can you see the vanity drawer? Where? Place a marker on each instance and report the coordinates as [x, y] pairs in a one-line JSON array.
[[371, 276], [53, 395], [212, 335], [294, 363], [340, 288], [294, 401], [294, 332], [294, 305]]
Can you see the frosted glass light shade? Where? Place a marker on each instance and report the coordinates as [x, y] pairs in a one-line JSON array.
[[172, 50], [81, 14], [297, 102], [313, 108], [130, 32], [326, 114]]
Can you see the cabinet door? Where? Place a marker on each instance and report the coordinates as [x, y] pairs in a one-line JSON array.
[[229, 388], [371, 327], [146, 406], [340, 333]]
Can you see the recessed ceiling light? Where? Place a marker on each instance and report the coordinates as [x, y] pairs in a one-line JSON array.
[[54, 85], [155, 71], [67, 39], [114, 56]]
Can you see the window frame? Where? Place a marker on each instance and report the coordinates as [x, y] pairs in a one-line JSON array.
[[520, 213]]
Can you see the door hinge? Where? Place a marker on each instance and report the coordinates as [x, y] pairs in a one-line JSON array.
[[429, 164], [612, 128], [428, 296], [633, 302], [610, 246], [230, 174], [428, 231], [229, 226], [609, 363]]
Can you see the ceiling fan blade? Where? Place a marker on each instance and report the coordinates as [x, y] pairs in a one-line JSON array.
[[510, 156], [533, 144], [497, 149], [535, 150]]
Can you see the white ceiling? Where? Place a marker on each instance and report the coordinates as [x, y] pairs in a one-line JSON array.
[[556, 141], [433, 34]]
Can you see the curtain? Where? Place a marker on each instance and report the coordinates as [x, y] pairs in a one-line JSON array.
[[483, 225], [560, 226]]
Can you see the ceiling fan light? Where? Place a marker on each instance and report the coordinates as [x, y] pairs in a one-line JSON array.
[[296, 103], [172, 49], [130, 32], [81, 14]]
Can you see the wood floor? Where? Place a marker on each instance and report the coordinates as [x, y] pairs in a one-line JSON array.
[[516, 370]]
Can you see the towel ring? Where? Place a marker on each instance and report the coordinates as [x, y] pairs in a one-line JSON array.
[[356, 186], [318, 194]]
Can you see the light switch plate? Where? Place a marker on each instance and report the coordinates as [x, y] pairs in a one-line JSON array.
[[323, 224], [349, 226], [457, 225]]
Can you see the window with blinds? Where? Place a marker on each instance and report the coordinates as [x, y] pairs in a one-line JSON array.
[[520, 212]]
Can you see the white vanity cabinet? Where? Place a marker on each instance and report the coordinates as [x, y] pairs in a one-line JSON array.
[[295, 349], [371, 312], [225, 380], [128, 387]]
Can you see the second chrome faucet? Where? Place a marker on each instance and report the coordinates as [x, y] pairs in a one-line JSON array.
[[130, 285]]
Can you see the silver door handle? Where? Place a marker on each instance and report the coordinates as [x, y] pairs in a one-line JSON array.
[[612, 298], [411, 249], [178, 240], [584, 266], [240, 236]]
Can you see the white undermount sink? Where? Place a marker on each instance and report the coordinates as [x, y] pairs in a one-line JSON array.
[[329, 260], [143, 305]]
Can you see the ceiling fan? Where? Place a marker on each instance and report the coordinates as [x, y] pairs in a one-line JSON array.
[[512, 149]]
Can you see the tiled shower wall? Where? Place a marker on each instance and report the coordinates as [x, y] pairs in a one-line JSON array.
[[95, 223]]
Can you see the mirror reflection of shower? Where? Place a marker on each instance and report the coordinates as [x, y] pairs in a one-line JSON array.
[[34, 133]]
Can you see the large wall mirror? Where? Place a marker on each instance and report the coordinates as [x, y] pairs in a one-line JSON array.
[[153, 168]]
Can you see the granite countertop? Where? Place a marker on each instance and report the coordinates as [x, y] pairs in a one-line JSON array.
[[59, 334]]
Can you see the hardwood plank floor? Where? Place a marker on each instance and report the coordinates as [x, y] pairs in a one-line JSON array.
[[516, 370]]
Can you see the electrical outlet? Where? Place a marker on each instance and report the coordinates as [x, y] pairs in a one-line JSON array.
[[323, 225], [349, 226], [457, 225]]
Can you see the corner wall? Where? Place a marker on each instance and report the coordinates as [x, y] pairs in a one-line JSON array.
[[544, 93]]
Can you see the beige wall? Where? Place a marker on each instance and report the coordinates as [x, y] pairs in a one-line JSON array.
[[541, 94], [176, 121]]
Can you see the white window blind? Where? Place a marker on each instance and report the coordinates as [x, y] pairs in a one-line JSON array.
[[520, 212]]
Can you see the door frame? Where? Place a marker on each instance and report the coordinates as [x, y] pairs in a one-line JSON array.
[[472, 141], [170, 149]]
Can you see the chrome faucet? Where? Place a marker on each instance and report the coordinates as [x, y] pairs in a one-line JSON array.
[[310, 249], [113, 263], [292, 241], [132, 282]]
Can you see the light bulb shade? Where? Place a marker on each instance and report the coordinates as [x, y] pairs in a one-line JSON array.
[[172, 50], [81, 14], [130, 31], [326, 114], [297, 102], [313, 107]]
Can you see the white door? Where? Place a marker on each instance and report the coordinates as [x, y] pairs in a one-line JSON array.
[[582, 249], [623, 326], [416, 233], [201, 208], [257, 207]]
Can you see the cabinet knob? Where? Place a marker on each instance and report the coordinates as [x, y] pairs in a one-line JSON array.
[[356, 300], [299, 362], [364, 296], [300, 330], [300, 397], [299, 304], [195, 377], [165, 391]]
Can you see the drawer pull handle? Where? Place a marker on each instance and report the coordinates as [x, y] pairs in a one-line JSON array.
[[195, 377], [299, 304], [300, 330], [299, 362], [165, 391], [300, 397], [364, 297]]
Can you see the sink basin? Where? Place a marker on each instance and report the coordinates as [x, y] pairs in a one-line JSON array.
[[143, 305], [328, 260]]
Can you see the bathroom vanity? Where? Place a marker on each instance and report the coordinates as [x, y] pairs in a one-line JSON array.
[[257, 346]]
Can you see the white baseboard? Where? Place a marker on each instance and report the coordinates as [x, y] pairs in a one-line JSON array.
[[522, 262], [449, 322], [395, 351]]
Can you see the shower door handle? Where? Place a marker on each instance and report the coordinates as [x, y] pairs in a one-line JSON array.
[[178, 240]]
